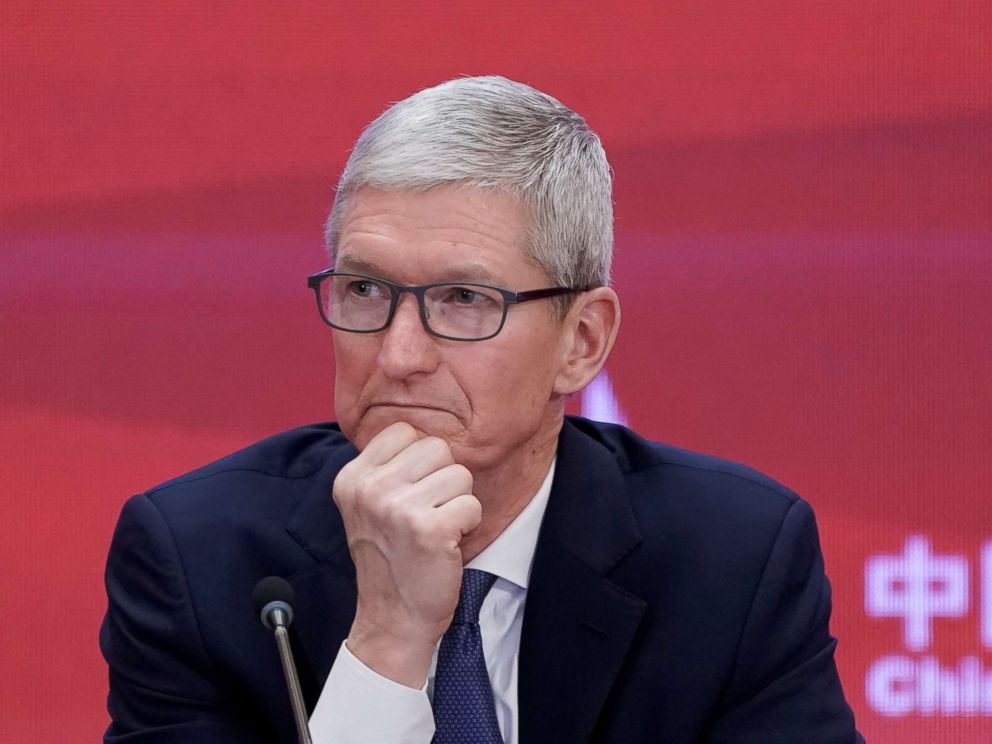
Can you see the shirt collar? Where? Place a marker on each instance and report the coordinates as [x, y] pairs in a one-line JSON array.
[[511, 554]]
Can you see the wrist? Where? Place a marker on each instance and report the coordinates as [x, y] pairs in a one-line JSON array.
[[401, 657]]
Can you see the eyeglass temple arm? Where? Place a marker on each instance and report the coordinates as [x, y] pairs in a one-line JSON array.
[[540, 294]]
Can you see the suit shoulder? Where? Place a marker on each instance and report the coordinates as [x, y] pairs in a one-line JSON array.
[[681, 471], [245, 501], [296, 453], [274, 467]]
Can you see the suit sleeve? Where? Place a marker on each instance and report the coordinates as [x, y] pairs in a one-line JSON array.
[[785, 686], [161, 687]]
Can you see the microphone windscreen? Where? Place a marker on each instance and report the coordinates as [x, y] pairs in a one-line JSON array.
[[272, 589]]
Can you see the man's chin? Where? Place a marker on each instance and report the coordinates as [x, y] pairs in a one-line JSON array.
[[429, 422]]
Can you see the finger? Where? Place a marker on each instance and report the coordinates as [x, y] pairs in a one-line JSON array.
[[385, 445], [442, 486], [464, 511], [419, 459]]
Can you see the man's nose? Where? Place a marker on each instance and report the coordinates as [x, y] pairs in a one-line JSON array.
[[407, 348]]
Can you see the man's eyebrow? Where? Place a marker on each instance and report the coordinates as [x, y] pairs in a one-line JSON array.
[[469, 272], [347, 263]]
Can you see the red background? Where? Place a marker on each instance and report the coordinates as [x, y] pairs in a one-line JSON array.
[[803, 253]]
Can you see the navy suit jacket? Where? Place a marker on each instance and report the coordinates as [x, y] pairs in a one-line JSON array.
[[674, 597]]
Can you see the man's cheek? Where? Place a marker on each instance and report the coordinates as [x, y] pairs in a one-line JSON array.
[[348, 416]]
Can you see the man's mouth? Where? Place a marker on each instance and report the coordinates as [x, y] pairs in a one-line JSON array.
[[406, 404]]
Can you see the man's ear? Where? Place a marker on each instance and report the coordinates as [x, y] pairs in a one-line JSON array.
[[591, 328]]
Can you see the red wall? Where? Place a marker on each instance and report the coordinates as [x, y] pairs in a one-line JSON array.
[[803, 253]]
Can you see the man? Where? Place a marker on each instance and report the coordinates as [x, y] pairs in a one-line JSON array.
[[470, 565]]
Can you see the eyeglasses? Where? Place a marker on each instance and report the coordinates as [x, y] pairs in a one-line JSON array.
[[458, 311]]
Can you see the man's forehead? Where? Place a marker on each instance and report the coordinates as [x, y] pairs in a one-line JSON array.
[[442, 205], [452, 231]]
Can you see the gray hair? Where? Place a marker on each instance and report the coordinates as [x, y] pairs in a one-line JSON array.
[[490, 132]]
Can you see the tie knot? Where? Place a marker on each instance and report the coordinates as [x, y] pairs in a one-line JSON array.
[[475, 586]]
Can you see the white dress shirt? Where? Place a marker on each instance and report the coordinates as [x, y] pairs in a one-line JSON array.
[[358, 705]]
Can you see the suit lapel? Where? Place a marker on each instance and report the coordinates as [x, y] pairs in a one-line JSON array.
[[577, 624]]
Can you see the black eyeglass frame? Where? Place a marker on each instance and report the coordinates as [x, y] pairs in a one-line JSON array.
[[419, 291]]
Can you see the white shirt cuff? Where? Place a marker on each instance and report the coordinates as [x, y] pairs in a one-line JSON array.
[[358, 705]]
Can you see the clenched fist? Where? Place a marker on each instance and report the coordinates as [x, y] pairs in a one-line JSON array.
[[406, 506]]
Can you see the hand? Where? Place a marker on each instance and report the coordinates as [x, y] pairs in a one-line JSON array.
[[406, 506]]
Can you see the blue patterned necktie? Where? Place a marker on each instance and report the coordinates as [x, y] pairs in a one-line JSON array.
[[464, 709]]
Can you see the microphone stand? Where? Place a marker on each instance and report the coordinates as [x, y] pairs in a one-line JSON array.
[[293, 683], [273, 597]]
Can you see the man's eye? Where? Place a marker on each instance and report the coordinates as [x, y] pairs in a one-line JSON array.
[[466, 296], [364, 288]]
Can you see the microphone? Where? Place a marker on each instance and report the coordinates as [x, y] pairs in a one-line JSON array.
[[274, 597]]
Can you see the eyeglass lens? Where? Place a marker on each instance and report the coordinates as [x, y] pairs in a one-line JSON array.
[[360, 303]]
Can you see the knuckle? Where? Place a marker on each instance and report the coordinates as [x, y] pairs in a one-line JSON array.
[[424, 533], [342, 491], [344, 475], [391, 511], [375, 485], [473, 508], [398, 513], [415, 523], [362, 493], [416, 529], [438, 449], [462, 477]]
